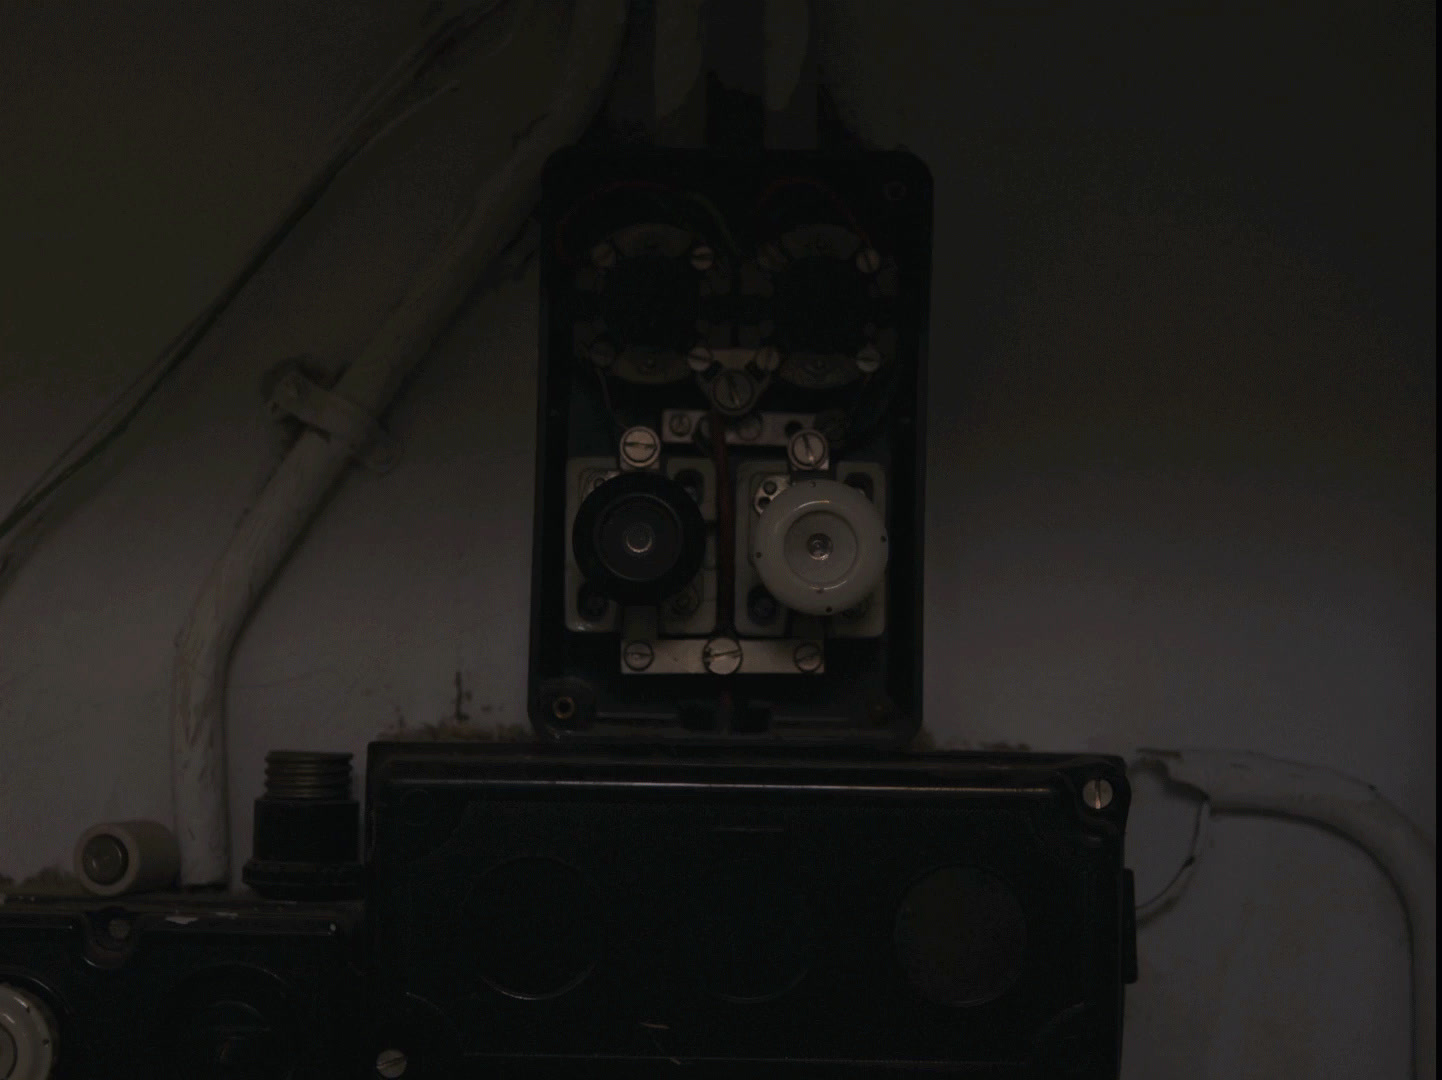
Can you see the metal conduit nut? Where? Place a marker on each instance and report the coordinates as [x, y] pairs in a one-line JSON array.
[[307, 829]]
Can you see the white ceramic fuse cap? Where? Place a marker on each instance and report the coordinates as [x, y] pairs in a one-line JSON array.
[[27, 1036], [820, 547], [127, 856]]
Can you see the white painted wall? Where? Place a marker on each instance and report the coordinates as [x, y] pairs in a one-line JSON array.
[[1189, 498]]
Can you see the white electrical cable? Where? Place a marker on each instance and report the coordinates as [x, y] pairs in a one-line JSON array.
[[1249, 783], [267, 533]]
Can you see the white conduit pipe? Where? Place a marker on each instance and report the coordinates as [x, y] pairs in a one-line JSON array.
[[1250, 783], [268, 532]]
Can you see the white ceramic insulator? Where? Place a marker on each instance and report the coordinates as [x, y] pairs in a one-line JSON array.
[[152, 858], [820, 547]]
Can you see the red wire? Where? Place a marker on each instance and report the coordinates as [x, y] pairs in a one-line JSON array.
[[725, 528]]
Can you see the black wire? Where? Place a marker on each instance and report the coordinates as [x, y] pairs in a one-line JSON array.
[[1168, 894], [605, 384], [444, 38]]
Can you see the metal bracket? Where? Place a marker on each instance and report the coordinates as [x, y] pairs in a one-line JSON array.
[[336, 416], [645, 652], [756, 429]]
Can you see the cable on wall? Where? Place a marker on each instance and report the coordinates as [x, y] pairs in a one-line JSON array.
[[1240, 782], [276, 519]]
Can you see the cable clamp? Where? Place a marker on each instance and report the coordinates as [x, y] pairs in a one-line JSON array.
[[337, 417]]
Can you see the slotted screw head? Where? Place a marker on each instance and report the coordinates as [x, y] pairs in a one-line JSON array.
[[1097, 794], [639, 655], [721, 656], [732, 390], [640, 447], [391, 1064], [808, 449], [807, 657]]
